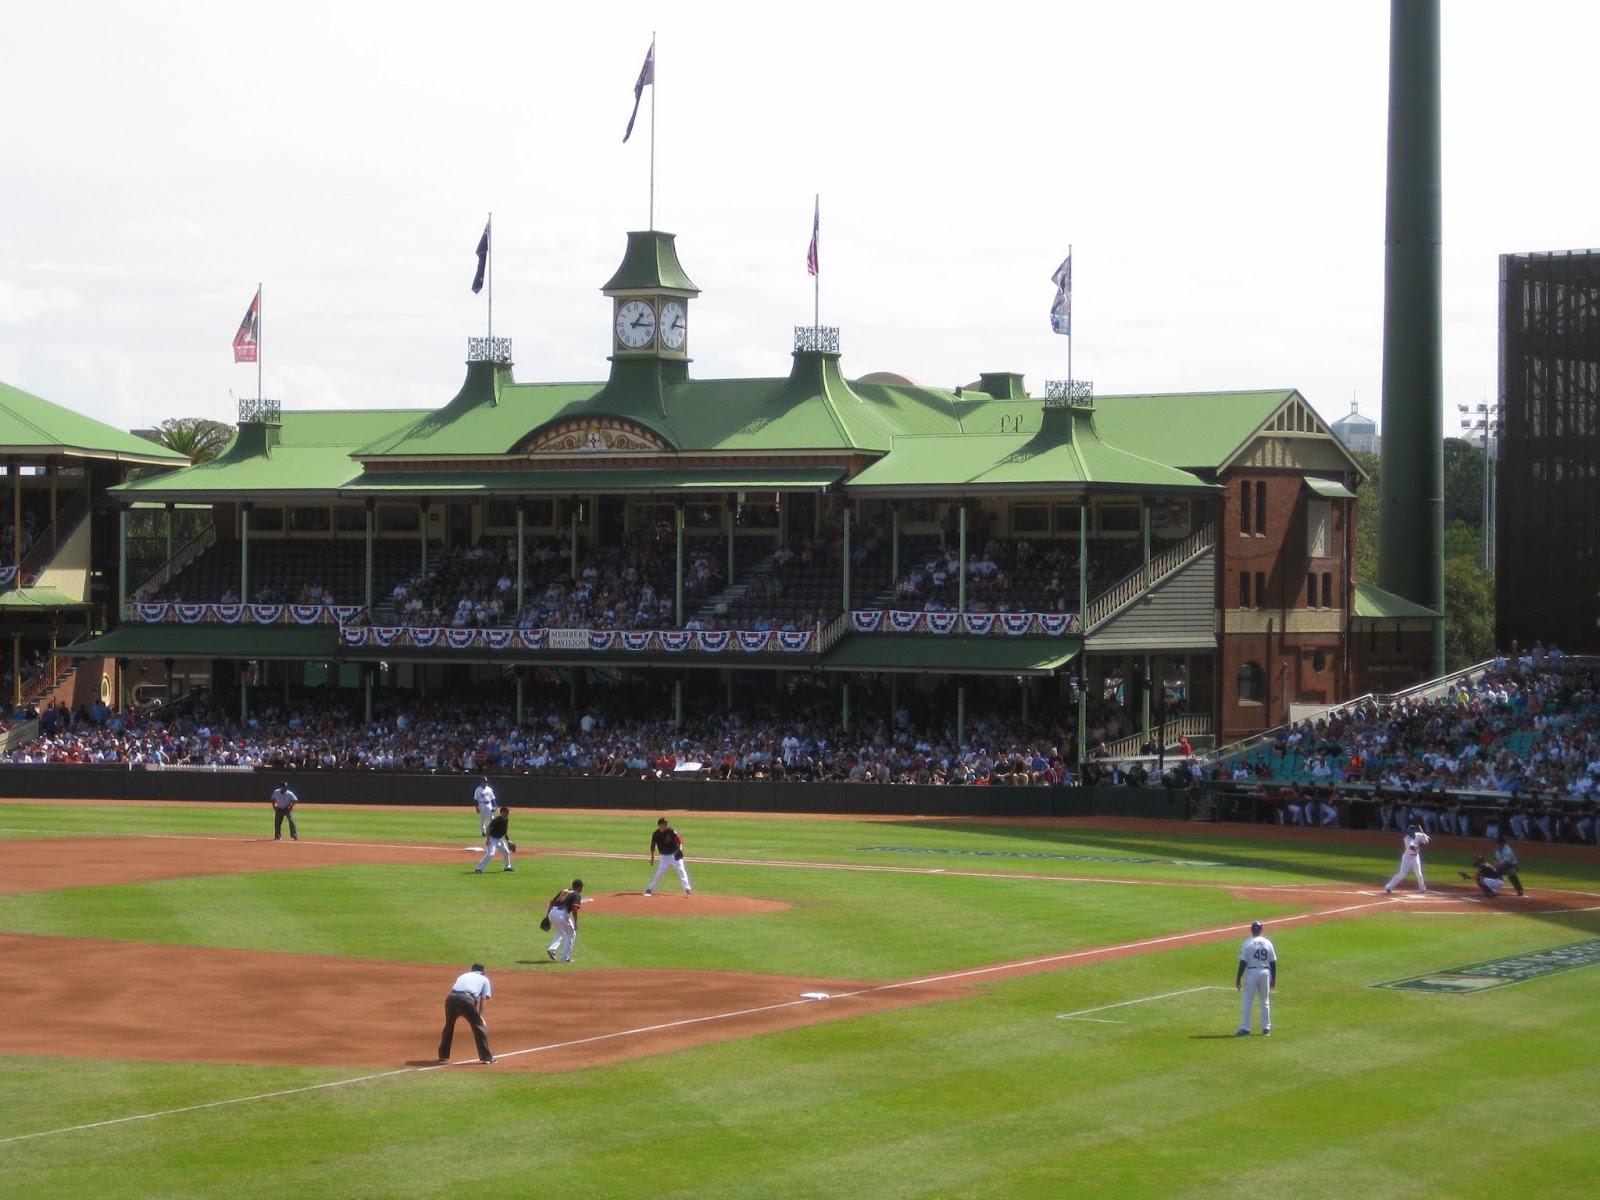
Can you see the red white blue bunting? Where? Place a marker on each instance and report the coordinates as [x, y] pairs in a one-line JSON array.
[[235, 614], [713, 641], [897, 620]]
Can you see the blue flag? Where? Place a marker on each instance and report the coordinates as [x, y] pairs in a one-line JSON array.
[[483, 260]]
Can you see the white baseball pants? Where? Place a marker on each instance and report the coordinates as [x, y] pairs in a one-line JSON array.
[[1257, 982], [661, 869], [1410, 864], [566, 931], [495, 846]]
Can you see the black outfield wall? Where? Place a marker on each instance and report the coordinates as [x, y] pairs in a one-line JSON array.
[[521, 791]]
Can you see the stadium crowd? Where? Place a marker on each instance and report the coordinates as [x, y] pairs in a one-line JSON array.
[[795, 736], [1522, 737], [1526, 732]]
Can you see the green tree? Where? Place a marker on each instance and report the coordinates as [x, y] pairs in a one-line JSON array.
[[1468, 612], [200, 439], [1367, 510], [1468, 592], [1463, 483]]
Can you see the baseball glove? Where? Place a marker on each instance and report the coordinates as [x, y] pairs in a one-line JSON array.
[[544, 924], [512, 846]]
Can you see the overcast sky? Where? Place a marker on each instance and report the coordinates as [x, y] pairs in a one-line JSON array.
[[1218, 170]]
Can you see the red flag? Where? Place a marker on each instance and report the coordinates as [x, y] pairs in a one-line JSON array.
[[244, 342], [816, 227], [647, 74]]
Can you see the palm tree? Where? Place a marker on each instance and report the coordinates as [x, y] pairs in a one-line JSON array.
[[199, 438]]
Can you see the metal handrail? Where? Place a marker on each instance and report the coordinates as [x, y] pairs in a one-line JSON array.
[[181, 558], [1430, 689], [1187, 725], [1146, 575]]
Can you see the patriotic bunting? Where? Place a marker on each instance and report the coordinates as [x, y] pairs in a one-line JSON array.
[[867, 622]]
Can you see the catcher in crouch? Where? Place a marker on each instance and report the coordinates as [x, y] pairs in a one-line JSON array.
[[1486, 875]]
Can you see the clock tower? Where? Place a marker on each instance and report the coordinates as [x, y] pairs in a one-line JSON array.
[[650, 297]]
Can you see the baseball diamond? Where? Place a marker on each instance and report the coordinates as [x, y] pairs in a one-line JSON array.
[[334, 961]]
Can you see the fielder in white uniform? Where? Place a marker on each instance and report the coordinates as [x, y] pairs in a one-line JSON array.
[[1257, 976], [1410, 859], [484, 799]]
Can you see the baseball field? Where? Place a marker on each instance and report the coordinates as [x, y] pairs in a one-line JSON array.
[[884, 1008]]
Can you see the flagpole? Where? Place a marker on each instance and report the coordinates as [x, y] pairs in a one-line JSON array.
[[1069, 338], [653, 89], [816, 280], [260, 324], [489, 229]]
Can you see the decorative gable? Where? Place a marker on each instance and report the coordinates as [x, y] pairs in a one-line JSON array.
[[1296, 417], [592, 435], [1294, 438]]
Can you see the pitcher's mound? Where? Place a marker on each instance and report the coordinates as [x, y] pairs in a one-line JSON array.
[[675, 904]]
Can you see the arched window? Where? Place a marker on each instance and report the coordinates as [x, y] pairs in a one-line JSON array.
[[1252, 683]]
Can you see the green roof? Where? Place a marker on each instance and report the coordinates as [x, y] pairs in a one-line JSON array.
[[317, 643], [39, 598], [308, 453], [1058, 447], [992, 655], [1201, 431], [1373, 603], [651, 264], [1329, 488], [32, 426], [814, 409], [553, 481]]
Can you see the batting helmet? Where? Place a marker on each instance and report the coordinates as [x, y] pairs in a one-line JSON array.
[[1477, 860], [1413, 828], [1255, 926]]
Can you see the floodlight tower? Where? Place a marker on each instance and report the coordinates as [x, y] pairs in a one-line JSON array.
[[1411, 499]]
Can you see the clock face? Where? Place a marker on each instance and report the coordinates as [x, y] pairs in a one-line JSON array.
[[636, 324], [674, 325]]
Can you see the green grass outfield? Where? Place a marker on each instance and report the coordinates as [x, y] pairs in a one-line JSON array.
[[1360, 1091]]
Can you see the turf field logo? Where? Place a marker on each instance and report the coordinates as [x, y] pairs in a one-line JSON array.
[[1499, 972], [1087, 858]]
